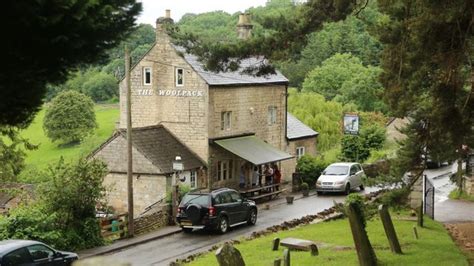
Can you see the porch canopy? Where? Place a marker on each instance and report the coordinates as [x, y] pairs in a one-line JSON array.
[[253, 150]]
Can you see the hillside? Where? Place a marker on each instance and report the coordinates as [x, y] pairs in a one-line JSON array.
[[49, 152]]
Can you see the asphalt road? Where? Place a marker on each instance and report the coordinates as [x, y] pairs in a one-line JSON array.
[[165, 250]]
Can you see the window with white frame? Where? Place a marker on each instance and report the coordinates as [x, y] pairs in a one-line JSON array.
[[272, 115], [224, 170], [299, 152], [226, 120], [192, 179], [147, 76], [179, 77]]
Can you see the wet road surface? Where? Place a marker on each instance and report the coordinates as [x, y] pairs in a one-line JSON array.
[[165, 250]]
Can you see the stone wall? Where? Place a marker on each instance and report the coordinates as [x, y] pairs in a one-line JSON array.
[[147, 189], [153, 221], [381, 167], [182, 109], [249, 106], [469, 184], [416, 194]]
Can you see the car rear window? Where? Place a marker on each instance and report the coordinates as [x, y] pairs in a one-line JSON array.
[[336, 170], [199, 199]]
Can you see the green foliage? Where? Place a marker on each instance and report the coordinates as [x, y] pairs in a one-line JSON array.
[[183, 190], [311, 168], [304, 186], [64, 214], [48, 40], [330, 76], [70, 117], [395, 198], [343, 77], [357, 148], [319, 114], [12, 153], [357, 200], [427, 75], [348, 36]]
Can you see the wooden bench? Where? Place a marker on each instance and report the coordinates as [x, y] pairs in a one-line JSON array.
[[270, 194]]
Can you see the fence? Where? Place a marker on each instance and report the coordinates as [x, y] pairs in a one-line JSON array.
[[114, 227]]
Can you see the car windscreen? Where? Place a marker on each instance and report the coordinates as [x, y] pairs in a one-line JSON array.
[[336, 170], [199, 199]]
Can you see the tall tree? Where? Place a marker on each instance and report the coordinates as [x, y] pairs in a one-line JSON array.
[[43, 40], [427, 73]]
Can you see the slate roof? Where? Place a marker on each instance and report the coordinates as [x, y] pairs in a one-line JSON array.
[[235, 77], [154, 143], [161, 147], [295, 129]]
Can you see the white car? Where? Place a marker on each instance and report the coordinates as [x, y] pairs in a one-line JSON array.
[[340, 177]]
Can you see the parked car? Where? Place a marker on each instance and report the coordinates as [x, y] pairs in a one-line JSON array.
[[28, 252], [217, 210], [340, 177]]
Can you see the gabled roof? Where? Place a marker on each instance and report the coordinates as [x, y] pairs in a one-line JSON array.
[[295, 129], [154, 143], [234, 77]]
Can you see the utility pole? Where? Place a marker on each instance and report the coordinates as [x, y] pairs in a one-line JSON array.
[[129, 145]]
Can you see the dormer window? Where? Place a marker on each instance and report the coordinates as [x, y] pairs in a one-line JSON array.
[[179, 77], [147, 76]]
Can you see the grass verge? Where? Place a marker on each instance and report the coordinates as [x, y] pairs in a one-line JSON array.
[[460, 195], [336, 247]]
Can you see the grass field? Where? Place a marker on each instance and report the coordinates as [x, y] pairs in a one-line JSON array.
[[49, 152], [336, 247]]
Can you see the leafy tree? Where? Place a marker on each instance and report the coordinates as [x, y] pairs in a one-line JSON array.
[[357, 148], [310, 168], [319, 114], [64, 214], [331, 75], [47, 39], [70, 117], [12, 154], [348, 36], [100, 87], [428, 75]]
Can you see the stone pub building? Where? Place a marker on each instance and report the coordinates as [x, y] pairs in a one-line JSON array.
[[222, 125]]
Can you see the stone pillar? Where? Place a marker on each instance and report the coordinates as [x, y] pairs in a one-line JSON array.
[[244, 26]]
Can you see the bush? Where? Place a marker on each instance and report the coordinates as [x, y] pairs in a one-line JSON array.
[[310, 168], [396, 198], [304, 186], [358, 148], [64, 214], [70, 117]]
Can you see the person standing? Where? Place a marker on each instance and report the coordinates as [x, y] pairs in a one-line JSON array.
[[277, 176], [256, 177], [268, 174]]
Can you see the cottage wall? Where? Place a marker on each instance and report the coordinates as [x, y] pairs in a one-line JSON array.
[[147, 189]]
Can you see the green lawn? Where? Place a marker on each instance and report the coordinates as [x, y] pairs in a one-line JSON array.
[[434, 247], [49, 152], [456, 195]]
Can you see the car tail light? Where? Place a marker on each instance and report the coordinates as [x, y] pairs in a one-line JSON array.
[[212, 211]]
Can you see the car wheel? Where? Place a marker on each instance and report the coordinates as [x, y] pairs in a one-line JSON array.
[[348, 189], [252, 219], [187, 230], [361, 187], [223, 225]]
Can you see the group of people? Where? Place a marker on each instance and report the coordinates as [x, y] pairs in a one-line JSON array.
[[270, 174]]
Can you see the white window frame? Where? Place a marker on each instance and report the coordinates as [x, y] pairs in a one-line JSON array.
[[176, 77], [192, 179], [300, 152], [144, 75], [272, 115], [224, 170], [226, 120]]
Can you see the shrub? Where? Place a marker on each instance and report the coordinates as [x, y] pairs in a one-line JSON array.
[[70, 117], [310, 168], [304, 186], [64, 214], [396, 198]]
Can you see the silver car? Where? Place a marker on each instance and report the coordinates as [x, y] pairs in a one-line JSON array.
[[340, 177]]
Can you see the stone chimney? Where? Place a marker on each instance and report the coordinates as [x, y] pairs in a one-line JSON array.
[[161, 26], [244, 26]]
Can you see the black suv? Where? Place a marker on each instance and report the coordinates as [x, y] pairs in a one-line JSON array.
[[218, 210]]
